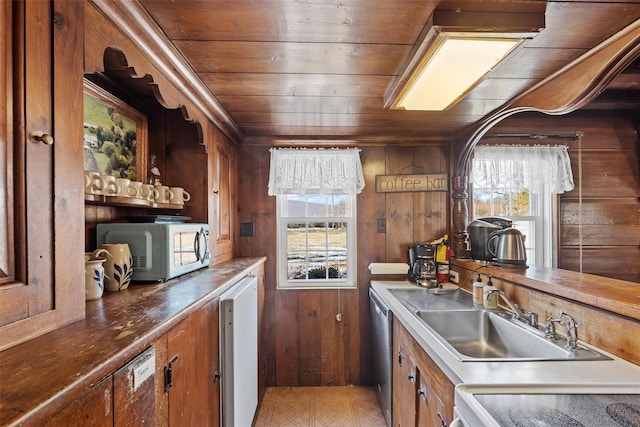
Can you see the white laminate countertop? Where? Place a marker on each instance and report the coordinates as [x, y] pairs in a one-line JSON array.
[[586, 373]]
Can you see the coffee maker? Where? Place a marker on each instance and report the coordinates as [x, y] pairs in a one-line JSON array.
[[480, 231], [425, 255]]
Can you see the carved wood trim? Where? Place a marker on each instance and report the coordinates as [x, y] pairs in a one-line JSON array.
[[134, 21], [565, 91]]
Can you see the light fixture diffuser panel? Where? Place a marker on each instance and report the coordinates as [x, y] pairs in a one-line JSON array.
[[455, 66]]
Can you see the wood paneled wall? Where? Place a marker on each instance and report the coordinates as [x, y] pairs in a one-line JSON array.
[[306, 344], [600, 219]]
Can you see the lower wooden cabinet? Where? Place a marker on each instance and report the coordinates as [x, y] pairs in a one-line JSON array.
[[422, 394], [174, 382], [134, 391], [94, 408], [192, 371], [405, 387]]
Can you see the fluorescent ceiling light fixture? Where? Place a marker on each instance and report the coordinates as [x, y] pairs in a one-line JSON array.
[[451, 68]]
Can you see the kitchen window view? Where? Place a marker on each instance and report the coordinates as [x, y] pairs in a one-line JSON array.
[[519, 183], [523, 207], [316, 241]]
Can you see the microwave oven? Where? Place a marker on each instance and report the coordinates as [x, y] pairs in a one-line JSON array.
[[160, 251]]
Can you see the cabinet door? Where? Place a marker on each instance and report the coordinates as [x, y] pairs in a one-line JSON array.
[[404, 389], [94, 408], [430, 409], [194, 393], [134, 391], [224, 199], [40, 188]]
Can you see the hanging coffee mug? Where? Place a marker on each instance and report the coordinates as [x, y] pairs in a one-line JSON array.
[[118, 267], [93, 278]]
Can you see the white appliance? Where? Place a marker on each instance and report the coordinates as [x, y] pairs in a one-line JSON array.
[[239, 353], [160, 251]]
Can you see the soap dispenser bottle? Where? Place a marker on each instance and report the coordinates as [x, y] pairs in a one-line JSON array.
[[478, 295], [492, 302]]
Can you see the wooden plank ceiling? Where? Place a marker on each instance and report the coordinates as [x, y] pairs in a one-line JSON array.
[[319, 69]]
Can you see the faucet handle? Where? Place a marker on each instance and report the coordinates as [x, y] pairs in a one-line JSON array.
[[532, 318], [570, 318], [550, 329]]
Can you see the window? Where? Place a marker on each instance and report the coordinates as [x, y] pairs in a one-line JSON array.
[[530, 211], [316, 241], [316, 204], [520, 183]]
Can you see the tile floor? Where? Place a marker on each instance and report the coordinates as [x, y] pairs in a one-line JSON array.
[[345, 406]]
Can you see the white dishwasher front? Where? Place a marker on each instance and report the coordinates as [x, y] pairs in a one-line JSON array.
[[239, 353]]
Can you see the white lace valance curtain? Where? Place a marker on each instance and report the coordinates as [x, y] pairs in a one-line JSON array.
[[509, 166], [315, 171]]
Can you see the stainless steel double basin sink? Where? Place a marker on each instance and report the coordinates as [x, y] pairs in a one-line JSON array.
[[479, 335]]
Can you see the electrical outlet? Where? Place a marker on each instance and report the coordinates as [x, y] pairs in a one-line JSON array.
[[453, 276]]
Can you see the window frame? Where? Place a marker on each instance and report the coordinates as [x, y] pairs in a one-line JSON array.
[[283, 281], [545, 223]]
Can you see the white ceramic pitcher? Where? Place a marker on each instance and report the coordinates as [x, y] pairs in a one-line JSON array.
[[93, 277], [118, 266]]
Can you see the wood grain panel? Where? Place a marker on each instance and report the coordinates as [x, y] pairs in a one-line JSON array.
[[302, 104], [395, 118], [349, 21], [497, 88], [535, 63], [615, 211], [131, 405], [359, 132], [287, 332], [608, 173], [621, 262], [95, 405], [597, 235], [558, 34], [295, 84], [601, 129], [400, 209], [293, 58], [431, 209], [338, 105]]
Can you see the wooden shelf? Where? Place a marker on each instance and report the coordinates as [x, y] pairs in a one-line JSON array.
[[129, 202]]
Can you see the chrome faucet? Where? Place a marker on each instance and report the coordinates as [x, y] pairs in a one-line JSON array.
[[572, 329], [530, 318]]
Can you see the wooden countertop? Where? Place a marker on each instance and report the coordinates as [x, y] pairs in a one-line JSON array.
[[617, 296], [48, 372]]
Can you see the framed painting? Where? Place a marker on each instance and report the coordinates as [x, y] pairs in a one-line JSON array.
[[115, 135]]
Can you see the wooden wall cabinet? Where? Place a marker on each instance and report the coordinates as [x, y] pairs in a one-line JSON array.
[[40, 183], [422, 394], [224, 199]]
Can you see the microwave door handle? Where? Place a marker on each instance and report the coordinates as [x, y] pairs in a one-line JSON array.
[[205, 245], [196, 245]]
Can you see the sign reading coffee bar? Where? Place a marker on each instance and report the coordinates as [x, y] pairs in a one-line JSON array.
[[407, 183]]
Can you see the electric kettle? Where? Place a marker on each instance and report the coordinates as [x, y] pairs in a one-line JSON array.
[[507, 245]]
